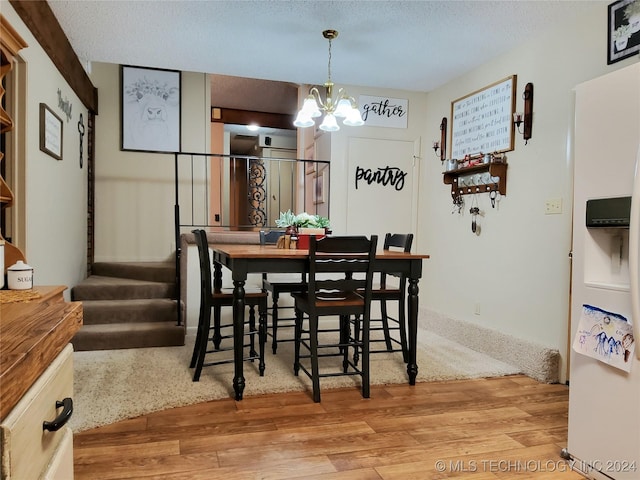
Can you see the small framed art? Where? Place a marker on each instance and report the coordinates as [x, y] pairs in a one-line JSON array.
[[319, 188], [51, 128], [623, 30]]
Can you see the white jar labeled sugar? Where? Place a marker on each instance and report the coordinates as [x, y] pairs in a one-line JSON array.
[[20, 276]]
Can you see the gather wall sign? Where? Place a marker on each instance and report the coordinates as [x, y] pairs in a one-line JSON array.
[[384, 111]]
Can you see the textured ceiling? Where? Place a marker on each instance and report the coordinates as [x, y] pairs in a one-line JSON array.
[[409, 45]]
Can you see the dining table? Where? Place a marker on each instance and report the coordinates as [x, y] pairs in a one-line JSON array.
[[243, 259]]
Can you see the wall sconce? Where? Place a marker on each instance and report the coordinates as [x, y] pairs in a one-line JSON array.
[[442, 144], [525, 119]]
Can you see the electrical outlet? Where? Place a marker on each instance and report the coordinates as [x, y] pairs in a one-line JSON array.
[[553, 206], [477, 309]]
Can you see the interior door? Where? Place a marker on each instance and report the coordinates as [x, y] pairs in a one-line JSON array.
[[383, 186]]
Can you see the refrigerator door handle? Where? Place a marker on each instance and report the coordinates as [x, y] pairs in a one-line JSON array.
[[634, 248]]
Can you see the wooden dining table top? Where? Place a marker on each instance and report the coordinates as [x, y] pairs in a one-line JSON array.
[[271, 251]]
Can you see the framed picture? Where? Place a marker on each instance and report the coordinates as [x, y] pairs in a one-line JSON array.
[[319, 190], [310, 154], [482, 121], [150, 109], [623, 30], [50, 132]]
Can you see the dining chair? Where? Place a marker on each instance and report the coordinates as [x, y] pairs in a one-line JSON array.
[[277, 286], [214, 298], [339, 268], [383, 291]]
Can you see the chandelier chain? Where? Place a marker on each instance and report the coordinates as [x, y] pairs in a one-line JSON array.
[[329, 68]]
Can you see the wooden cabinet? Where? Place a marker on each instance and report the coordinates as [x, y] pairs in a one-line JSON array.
[[28, 447], [486, 177], [36, 374], [10, 44]]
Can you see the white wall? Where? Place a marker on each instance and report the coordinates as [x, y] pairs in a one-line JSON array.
[[517, 270], [135, 196], [56, 191], [342, 183]]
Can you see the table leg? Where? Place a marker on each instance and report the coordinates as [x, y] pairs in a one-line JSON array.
[[238, 337], [412, 367]]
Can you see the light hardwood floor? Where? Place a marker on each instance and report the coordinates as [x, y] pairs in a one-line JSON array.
[[496, 428]]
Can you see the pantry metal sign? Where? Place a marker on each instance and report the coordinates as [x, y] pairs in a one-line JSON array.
[[384, 111]]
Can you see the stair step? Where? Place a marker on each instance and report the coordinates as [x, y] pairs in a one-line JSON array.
[[115, 336], [129, 305], [129, 311], [97, 287], [147, 271]]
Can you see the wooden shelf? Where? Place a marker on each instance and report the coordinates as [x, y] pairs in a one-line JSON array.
[[494, 169]]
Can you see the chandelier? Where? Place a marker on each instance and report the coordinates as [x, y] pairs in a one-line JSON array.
[[342, 106]]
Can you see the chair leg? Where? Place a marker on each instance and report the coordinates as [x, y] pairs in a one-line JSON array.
[[345, 333], [217, 335], [313, 343], [274, 323], [402, 320], [262, 337], [202, 345], [199, 334], [298, 339], [252, 332], [385, 324], [364, 368], [356, 334]]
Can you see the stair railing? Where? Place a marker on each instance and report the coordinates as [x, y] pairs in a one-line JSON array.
[[243, 193]]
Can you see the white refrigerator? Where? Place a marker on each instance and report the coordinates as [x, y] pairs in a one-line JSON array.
[[604, 380]]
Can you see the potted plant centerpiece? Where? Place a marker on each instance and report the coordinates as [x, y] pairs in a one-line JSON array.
[[287, 220], [303, 225]]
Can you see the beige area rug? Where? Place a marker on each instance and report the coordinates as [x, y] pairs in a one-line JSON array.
[[113, 385]]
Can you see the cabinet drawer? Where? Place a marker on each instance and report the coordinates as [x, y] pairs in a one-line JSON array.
[[61, 465], [27, 448]]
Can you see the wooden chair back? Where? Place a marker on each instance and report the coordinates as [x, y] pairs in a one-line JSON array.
[[338, 267]]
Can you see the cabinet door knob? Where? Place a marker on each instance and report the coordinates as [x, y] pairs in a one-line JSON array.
[[62, 418]]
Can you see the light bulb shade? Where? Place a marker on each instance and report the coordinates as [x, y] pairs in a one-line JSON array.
[[303, 120], [310, 107], [343, 108], [354, 119], [329, 124]]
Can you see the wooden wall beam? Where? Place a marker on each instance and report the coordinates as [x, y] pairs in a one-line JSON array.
[[247, 117], [39, 18]]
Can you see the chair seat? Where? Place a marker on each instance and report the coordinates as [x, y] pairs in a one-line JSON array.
[[340, 302]]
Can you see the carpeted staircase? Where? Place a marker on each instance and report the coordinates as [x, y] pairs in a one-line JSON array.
[[129, 305]]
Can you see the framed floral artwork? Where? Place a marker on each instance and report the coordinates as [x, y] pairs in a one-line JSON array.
[[150, 109], [623, 30]]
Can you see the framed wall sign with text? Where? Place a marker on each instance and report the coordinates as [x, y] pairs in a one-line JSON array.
[[482, 122], [384, 111], [50, 132]]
